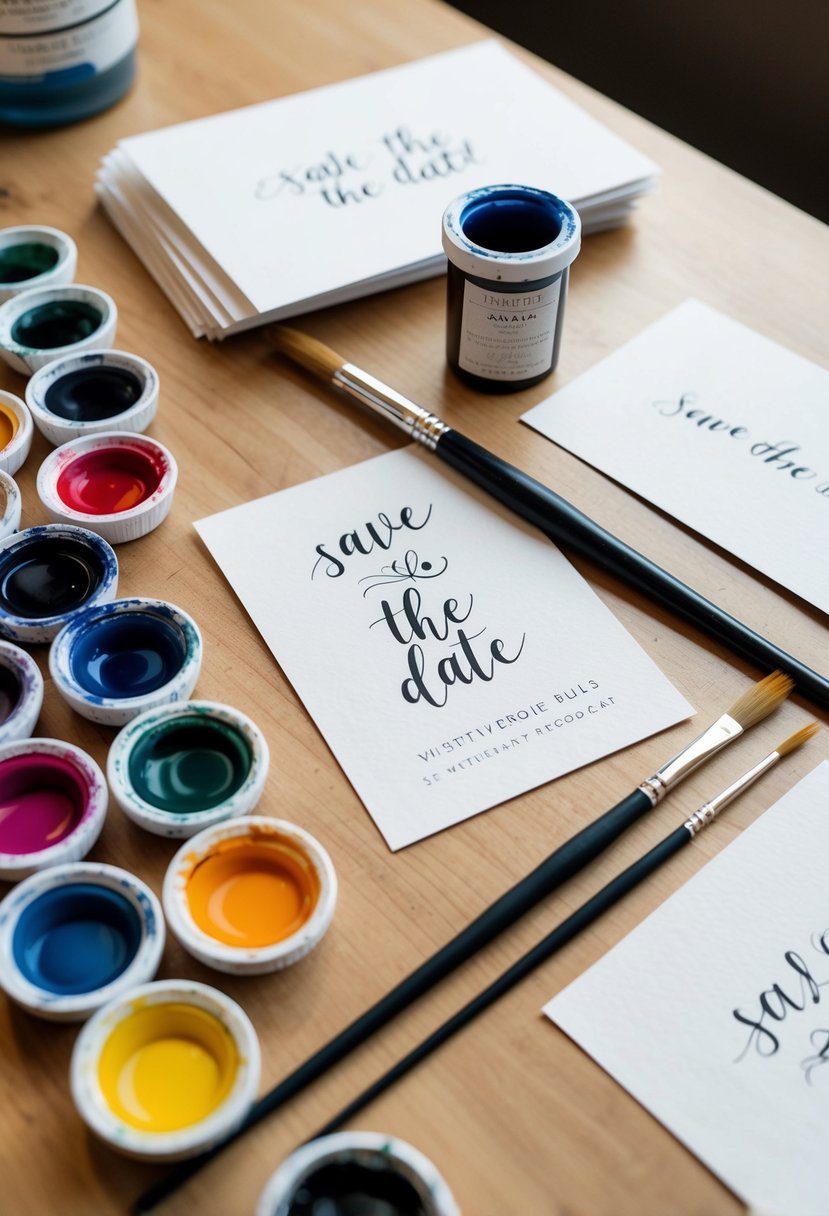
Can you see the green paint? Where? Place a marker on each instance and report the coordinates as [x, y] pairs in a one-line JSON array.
[[59, 323], [189, 764], [26, 261]]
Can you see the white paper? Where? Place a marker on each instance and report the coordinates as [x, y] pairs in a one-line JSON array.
[[714, 1012], [547, 679], [720, 427]]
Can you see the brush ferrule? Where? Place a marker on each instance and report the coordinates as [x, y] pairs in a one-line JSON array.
[[707, 813], [721, 732], [418, 423]]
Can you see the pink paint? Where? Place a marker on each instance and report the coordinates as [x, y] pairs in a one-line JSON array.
[[42, 800], [107, 481]]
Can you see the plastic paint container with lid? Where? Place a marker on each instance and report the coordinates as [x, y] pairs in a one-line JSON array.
[[250, 895], [91, 392], [165, 1071], [11, 505], [75, 936], [33, 255], [21, 693], [46, 323], [16, 431]]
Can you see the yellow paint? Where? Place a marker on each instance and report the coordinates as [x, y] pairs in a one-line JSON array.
[[167, 1066], [252, 891], [9, 426]]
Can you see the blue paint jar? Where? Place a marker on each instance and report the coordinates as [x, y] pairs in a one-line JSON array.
[[509, 248], [63, 60]]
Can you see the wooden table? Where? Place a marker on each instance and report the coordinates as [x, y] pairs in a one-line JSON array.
[[517, 1118]]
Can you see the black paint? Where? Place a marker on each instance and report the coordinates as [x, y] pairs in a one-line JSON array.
[[58, 323], [348, 1188], [89, 394], [10, 692], [47, 576], [26, 261]]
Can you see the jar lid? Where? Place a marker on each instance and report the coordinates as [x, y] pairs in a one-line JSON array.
[[511, 233]]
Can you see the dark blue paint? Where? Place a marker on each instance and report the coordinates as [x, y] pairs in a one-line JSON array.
[[126, 655], [76, 938], [511, 221]]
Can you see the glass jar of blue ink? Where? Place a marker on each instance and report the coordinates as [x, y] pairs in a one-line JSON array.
[[510, 249], [64, 60]]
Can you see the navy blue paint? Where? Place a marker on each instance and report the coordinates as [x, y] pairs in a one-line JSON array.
[[126, 655], [511, 222], [76, 938]]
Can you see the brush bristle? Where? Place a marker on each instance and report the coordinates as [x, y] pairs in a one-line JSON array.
[[761, 699], [797, 739], [307, 351]]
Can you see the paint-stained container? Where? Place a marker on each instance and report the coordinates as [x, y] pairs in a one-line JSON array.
[[166, 1070], [357, 1172], [509, 251], [16, 431], [74, 937], [21, 693], [95, 391], [53, 802], [47, 323], [33, 255], [251, 895], [178, 769], [11, 505]]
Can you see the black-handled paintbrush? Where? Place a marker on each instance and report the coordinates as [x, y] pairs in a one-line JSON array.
[[549, 512], [576, 923], [754, 705]]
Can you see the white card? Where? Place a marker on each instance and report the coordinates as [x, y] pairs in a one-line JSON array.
[[457, 662], [714, 1012], [718, 426]]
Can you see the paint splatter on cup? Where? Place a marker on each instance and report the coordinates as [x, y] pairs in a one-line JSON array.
[[91, 392], [16, 430], [33, 255], [112, 662], [166, 1071], [180, 768], [11, 505], [117, 484], [357, 1171], [21, 693], [46, 323], [53, 802], [74, 937], [48, 574], [251, 895]]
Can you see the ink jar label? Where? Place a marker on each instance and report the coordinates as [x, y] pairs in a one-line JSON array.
[[67, 40], [508, 335]]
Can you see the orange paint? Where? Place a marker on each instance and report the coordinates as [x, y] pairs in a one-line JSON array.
[[9, 426], [251, 891]]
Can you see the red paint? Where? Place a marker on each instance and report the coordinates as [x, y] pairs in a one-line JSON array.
[[110, 480], [42, 800]]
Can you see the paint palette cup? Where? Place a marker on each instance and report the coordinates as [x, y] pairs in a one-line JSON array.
[[49, 573], [97, 390], [251, 895], [21, 693], [75, 937], [53, 802], [180, 768], [117, 484], [166, 1071], [116, 660], [11, 505], [47, 323], [357, 1171], [16, 431], [33, 255]]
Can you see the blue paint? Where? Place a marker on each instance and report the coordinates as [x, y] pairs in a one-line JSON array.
[[126, 655], [76, 938], [512, 221]]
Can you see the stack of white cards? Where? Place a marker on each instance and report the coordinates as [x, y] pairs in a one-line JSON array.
[[325, 196]]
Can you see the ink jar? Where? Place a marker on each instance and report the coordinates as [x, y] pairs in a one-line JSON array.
[[509, 248], [63, 60]]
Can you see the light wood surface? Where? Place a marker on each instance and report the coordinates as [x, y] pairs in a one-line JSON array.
[[516, 1117]]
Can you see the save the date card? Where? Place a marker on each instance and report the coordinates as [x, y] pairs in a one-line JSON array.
[[451, 657]]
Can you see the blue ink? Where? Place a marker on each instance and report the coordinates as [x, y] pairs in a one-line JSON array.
[[126, 655]]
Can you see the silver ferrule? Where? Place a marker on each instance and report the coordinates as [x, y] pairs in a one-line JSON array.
[[723, 731], [418, 423], [706, 814]]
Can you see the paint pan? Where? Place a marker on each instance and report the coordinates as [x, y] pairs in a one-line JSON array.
[[46, 323], [50, 573], [117, 484], [250, 895], [11, 505], [74, 937], [180, 768], [97, 390], [33, 255], [166, 1071], [116, 660], [21, 693], [349, 1173], [16, 432], [53, 802]]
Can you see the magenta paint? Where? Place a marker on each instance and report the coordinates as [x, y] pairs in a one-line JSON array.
[[43, 798]]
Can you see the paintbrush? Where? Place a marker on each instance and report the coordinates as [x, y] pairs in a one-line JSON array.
[[540, 506], [754, 705], [571, 927]]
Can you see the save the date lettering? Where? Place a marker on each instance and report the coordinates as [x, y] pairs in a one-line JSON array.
[[365, 540]]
